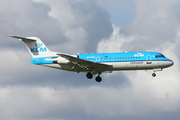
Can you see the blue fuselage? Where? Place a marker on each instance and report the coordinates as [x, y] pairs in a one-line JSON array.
[[119, 61], [124, 57]]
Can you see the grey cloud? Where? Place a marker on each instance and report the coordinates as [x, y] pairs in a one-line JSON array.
[[156, 22], [30, 18], [84, 23], [93, 102], [23, 84], [90, 24], [34, 92], [27, 18], [155, 28]]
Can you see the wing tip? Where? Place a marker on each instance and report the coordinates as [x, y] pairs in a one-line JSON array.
[[22, 38], [12, 36]]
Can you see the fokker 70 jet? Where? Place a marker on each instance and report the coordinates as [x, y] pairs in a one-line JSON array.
[[93, 64]]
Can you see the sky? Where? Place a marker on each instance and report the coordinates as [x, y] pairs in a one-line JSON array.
[[31, 92]]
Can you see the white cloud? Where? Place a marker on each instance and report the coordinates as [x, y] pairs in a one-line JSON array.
[[114, 43], [142, 97], [34, 92], [11, 63], [155, 23], [150, 31], [80, 22], [145, 94]]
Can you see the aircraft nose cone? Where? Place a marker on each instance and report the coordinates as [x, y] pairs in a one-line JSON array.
[[165, 64], [170, 63]]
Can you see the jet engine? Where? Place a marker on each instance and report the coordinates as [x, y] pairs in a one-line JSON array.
[[61, 60]]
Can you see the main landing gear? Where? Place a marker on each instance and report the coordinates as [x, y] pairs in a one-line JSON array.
[[98, 78], [90, 76]]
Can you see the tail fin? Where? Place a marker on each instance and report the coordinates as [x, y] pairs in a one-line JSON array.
[[35, 46]]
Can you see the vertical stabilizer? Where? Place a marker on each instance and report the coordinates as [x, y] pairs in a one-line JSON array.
[[35, 46]]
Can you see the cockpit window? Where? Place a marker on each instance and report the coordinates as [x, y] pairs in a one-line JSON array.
[[163, 56], [160, 56]]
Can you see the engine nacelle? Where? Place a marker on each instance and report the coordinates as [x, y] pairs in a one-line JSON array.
[[61, 61], [76, 56]]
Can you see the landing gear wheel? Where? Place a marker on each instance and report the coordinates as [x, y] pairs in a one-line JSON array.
[[98, 79], [89, 75], [154, 74]]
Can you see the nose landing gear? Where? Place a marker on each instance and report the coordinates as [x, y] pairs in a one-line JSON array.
[[156, 70], [154, 74]]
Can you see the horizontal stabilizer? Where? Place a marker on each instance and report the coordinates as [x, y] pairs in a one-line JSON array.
[[23, 39]]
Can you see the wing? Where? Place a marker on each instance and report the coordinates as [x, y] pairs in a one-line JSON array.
[[87, 65]]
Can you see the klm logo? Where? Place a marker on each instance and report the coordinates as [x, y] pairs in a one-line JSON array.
[[38, 44], [39, 48], [138, 55]]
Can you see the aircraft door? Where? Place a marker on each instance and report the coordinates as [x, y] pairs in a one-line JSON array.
[[148, 59], [97, 59]]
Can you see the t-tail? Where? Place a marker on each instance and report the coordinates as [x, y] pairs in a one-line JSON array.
[[35, 46]]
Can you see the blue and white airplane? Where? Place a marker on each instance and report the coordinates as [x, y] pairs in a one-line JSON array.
[[97, 63]]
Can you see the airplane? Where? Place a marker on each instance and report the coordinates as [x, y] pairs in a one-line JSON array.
[[96, 63]]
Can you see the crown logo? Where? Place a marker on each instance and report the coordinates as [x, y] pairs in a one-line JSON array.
[[38, 44]]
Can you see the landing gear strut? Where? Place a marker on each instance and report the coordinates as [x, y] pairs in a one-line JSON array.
[[89, 75]]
